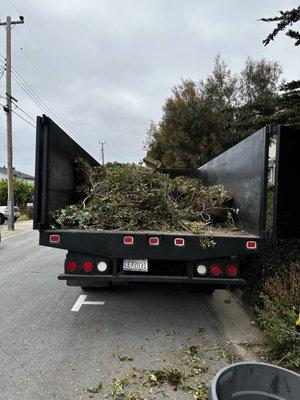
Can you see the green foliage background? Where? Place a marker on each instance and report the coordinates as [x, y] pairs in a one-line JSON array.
[[23, 192], [202, 119]]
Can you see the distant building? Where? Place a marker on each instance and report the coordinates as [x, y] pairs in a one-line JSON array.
[[17, 174]]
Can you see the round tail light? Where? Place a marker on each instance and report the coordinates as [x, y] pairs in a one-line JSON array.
[[102, 266], [201, 269], [71, 266], [231, 270], [215, 270], [88, 266]]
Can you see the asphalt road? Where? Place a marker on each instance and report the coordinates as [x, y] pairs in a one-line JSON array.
[[49, 352]]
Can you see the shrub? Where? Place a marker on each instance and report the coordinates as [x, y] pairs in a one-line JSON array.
[[278, 312], [23, 192], [273, 290]]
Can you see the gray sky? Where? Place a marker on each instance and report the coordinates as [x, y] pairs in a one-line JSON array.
[[104, 67]]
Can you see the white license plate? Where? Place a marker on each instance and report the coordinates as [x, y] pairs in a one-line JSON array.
[[135, 265]]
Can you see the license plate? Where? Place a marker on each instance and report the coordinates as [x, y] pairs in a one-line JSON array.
[[135, 265]]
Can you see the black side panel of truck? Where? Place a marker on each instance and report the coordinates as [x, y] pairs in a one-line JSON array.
[[54, 170], [243, 170], [287, 184]]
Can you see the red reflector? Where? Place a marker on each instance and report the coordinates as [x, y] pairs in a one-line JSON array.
[[54, 238], [154, 241], [179, 242], [215, 270], [231, 270], [251, 245], [128, 240], [71, 266], [88, 266]]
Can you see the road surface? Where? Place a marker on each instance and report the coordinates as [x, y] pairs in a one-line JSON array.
[[125, 347]]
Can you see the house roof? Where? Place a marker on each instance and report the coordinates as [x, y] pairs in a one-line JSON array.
[[17, 174]]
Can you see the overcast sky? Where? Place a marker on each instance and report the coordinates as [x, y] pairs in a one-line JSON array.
[[104, 67]]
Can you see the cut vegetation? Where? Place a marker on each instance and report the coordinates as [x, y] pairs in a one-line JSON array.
[[132, 197]]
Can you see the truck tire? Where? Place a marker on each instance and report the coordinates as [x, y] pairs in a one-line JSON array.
[[2, 219], [88, 288], [105, 285], [194, 288]]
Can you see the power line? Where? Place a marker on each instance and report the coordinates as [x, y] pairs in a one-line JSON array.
[[2, 73], [54, 70], [75, 116], [37, 99], [24, 119], [34, 96], [19, 108]]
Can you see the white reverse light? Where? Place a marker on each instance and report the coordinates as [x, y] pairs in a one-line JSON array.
[[201, 269], [102, 266]]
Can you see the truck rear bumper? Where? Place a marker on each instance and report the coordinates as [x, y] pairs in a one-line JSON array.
[[88, 280], [110, 244]]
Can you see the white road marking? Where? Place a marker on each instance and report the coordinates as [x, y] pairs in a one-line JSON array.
[[81, 301]]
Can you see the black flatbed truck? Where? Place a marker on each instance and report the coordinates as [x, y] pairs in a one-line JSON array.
[[96, 258]]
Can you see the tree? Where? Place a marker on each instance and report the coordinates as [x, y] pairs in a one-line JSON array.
[[288, 108], [174, 139], [259, 93], [285, 19], [201, 120], [23, 192]]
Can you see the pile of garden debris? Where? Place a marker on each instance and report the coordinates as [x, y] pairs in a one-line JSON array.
[[131, 197]]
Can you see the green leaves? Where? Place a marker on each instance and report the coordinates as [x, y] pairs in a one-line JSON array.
[[284, 19], [23, 192], [202, 119]]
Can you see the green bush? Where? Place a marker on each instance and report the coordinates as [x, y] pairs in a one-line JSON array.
[[23, 192], [277, 315], [273, 289]]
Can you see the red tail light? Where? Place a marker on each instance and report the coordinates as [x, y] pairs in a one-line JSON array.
[[179, 242], [231, 270], [54, 239], [128, 240], [154, 241], [251, 245], [215, 270], [71, 266], [88, 266]]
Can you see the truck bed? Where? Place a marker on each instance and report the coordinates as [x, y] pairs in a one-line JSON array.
[[110, 244], [209, 231]]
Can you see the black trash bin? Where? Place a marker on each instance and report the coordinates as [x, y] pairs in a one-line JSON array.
[[255, 381]]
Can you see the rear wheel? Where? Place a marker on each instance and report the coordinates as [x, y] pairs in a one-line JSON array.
[[2, 219], [105, 285], [87, 288], [195, 288]]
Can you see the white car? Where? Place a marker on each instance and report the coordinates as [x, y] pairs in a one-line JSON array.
[[3, 214]]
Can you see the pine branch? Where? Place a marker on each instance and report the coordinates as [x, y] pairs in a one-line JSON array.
[[285, 19]]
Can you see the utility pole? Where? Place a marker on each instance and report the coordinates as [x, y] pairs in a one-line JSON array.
[[102, 152], [8, 109]]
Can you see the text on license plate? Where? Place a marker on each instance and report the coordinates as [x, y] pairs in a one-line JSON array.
[[135, 265]]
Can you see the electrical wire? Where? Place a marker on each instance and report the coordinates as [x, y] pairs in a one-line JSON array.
[[38, 101], [19, 108], [54, 70], [24, 119], [2, 73], [35, 97], [58, 79]]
